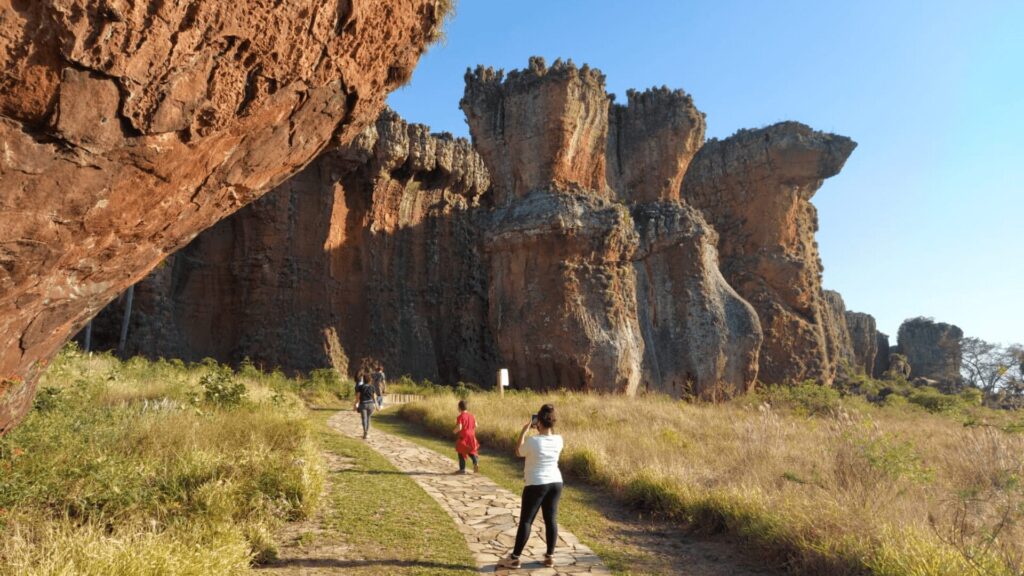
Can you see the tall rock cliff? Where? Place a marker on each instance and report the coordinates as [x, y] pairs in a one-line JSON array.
[[754, 188], [562, 290], [882, 356], [864, 338], [600, 279], [932, 349], [129, 127], [400, 247], [373, 250]]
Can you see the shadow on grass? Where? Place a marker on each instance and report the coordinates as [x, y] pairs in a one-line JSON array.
[[338, 563]]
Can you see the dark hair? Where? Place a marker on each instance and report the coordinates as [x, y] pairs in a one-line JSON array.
[[462, 404], [547, 416]]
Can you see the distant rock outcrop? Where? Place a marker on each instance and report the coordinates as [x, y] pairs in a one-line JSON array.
[[129, 127], [881, 356], [837, 334], [754, 188], [864, 338], [932, 349]]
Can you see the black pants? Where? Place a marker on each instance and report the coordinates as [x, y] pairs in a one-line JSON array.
[[545, 497], [462, 461]]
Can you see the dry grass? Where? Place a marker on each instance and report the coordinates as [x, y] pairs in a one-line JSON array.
[[134, 468], [852, 489]]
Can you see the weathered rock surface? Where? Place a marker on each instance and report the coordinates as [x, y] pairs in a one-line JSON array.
[[899, 367], [932, 349], [754, 188], [374, 250], [579, 297], [398, 246], [651, 142], [129, 127], [837, 334], [700, 337], [882, 356], [864, 338]]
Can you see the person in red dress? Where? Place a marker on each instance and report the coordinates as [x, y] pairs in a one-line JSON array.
[[466, 443]]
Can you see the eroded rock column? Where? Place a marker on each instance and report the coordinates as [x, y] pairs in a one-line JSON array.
[[755, 188]]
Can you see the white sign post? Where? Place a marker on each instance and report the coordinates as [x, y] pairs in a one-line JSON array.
[[502, 381]]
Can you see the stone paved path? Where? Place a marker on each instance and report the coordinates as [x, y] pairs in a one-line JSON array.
[[486, 514]]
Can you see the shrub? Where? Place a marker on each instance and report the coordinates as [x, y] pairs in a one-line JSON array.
[[221, 389], [934, 401], [807, 399]]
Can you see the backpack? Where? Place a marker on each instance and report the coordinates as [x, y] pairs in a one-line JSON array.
[[367, 393]]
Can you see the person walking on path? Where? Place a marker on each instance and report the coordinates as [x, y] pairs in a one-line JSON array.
[[466, 443], [367, 395], [543, 484], [378, 380]]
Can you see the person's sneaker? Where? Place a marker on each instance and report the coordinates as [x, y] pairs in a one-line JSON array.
[[508, 562], [476, 468], [459, 472], [549, 560]]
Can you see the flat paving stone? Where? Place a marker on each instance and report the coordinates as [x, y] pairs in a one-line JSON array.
[[484, 513]]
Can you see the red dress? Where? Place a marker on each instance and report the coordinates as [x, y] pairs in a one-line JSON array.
[[467, 443]]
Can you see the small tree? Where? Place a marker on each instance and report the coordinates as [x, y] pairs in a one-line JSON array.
[[985, 365]]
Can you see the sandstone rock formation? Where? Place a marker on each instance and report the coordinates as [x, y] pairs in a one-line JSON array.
[[754, 188], [882, 356], [899, 367], [129, 127], [700, 336], [932, 349], [374, 250], [399, 246], [566, 260], [839, 345], [651, 142], [864, 338]]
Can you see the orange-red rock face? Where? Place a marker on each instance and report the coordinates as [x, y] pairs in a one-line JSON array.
[[374, 249], [567, 255], [755, 188], [561, 251], [128, 127]]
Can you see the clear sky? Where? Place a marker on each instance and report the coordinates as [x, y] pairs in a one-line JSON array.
[[926, 219]]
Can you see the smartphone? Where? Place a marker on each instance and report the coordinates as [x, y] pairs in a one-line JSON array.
[[533, 419]]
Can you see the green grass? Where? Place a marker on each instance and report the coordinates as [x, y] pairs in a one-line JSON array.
[[580, 510], [154, 468], [395, 526], [125, 468]]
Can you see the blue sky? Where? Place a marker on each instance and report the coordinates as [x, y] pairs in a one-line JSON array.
[[927, 218]]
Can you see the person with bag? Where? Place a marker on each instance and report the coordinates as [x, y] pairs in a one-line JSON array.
[[466, 444], [366, 402], [543, 487]]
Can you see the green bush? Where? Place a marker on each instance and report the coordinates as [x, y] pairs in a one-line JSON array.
[[934, 401], [221, 389], [807, 398]]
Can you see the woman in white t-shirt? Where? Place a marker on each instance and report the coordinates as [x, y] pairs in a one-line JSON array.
[[543, 483]]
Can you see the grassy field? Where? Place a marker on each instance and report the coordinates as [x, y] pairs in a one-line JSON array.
[[141, 467], [375, 520], [821, 483], [582, 511]]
